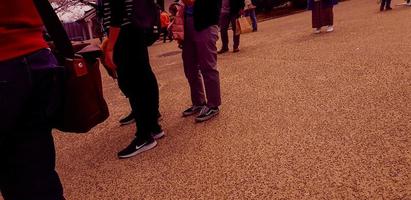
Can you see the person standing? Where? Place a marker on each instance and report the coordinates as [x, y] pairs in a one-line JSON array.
[[230, 12], [322, 14], [127, 53], [165, 22], [28, 81], [249, 11], [200, 57], [385, 4]]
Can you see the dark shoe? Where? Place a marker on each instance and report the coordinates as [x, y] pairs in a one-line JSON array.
[[137, 146], [192, 110], [224, 50], [236, 50], [389, 8], [254, 30], [207, 113], [127, 120], [158, 133]]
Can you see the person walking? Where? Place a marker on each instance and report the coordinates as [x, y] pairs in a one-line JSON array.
[[165, 22], [200, 57], [249, 11], [28, 81], [230, 12], [385, 4], [322, 14], [127, 53]]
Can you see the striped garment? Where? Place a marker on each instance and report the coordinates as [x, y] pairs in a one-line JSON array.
[[117, 13]]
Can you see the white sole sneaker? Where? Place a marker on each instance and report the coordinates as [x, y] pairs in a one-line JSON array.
[[141, 150]]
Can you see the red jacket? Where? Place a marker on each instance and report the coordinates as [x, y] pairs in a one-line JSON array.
[[177, 25], [20, 29]]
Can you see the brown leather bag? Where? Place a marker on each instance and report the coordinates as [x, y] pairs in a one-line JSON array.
[[83, 104]]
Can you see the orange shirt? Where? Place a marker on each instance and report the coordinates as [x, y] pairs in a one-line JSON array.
[[165, 19]]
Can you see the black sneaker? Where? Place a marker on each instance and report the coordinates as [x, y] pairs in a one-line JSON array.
[[137, 146], [192, 110], [207, 113], [223, 50], [158, 133], [127, 120]]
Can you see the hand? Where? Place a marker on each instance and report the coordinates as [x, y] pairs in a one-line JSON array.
[[110, 66]]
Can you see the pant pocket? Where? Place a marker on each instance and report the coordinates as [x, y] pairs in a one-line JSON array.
[[15, 88]]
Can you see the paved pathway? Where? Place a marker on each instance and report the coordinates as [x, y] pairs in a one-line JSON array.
[[304, 117]]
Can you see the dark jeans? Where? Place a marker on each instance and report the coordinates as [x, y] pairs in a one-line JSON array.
[[225, 20], [252, 15], [166, 34], [136, 79], [385, 4], [27, 104]]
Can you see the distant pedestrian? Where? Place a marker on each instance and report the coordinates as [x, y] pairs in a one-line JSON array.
[[230, 12], [385, 4], [322, 14], [165, 22], [176, 28], [249, 11], [200, 57]]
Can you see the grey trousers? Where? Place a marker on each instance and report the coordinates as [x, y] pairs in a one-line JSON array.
[[200, 64], [225, 20]]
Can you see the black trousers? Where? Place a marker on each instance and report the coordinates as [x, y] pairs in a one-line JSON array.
[[385, 4], [27, 105], [166, 34], [137, 80]]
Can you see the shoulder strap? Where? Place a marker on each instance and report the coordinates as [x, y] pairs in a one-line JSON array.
[[54, 28]]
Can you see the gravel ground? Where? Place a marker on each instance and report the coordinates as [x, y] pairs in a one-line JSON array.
[[304, 117]]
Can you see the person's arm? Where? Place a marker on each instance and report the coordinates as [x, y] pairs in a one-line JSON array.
[[115, 17]]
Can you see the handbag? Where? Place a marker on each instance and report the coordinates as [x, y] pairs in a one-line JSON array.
[[243, 25], [83, 105]]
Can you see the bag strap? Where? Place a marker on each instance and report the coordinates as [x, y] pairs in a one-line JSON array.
[[55, 28]]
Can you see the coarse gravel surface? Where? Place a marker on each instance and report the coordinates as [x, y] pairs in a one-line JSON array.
[[304, 116]]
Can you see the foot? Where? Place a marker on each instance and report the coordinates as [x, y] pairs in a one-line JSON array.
[[127, 120], [207, 113], [136, 147], [236, 50], [254, 30], [317, 31], [223, 50], [389, 8], [158, 133], [192, 111], [330, 29]]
